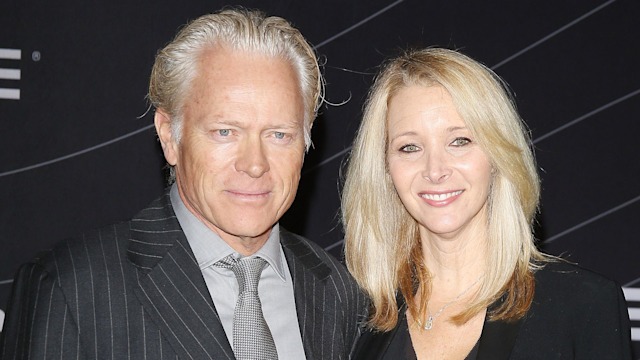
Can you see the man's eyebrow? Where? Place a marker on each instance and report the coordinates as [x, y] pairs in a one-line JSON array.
[[284, 124], [293, 124], [220, 120]]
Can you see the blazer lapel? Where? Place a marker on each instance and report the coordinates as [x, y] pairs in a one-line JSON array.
[[498, 339], [308, 273], [171, 287], [373, 345]]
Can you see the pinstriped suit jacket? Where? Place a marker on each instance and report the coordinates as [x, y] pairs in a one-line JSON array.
[[134, 291]]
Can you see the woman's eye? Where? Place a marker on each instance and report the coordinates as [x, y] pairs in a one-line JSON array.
[[409, 148], [461, 141], [224, 132]]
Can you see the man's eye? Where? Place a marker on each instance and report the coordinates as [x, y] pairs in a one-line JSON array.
[[224, 132], [279, 135], [409, 148], [461, 141]]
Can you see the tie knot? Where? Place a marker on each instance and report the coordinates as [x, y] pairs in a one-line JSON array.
[[247, 271]]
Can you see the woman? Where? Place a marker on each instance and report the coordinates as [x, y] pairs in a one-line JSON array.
[[438, 203]]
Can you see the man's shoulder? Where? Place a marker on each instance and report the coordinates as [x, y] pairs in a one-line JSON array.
[[305, 248], [107, 243], [319, 266], [315, 259], [76, 253]]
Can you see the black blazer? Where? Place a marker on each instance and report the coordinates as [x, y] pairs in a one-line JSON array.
[[134, 291], [576, 314]]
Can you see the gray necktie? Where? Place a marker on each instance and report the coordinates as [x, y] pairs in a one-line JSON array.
[[251, 335]]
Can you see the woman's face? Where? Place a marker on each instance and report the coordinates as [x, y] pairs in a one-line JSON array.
[[441, 174]]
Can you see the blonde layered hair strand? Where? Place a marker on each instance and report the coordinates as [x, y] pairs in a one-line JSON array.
[[382, 244]]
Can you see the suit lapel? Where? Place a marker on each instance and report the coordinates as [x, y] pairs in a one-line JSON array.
[[498, 339], [171, 287], [309, 274], [373, 345]]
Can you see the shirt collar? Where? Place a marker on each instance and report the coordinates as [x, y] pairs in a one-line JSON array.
[[209, 248]]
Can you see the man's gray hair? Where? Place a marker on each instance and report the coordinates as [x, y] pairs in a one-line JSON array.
[[239, 29]]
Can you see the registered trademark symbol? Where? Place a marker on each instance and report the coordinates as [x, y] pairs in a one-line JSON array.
[[35, 56]]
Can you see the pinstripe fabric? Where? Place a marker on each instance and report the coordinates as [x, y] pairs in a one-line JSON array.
[[134, 291], [330, 306]]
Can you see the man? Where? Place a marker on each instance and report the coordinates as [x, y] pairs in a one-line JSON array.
[[235, 94]]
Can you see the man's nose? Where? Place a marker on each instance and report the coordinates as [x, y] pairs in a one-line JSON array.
[[252, 158]]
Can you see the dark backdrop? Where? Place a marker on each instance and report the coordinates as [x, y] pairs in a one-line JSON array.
[[77, 149]]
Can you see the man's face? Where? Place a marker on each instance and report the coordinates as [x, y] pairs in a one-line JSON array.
[[242, 147]]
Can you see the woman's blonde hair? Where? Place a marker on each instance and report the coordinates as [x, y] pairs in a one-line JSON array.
[[382, 244]]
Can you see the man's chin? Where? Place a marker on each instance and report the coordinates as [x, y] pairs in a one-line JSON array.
[[246, 232]]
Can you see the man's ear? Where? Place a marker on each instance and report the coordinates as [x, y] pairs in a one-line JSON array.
[[162, 122]]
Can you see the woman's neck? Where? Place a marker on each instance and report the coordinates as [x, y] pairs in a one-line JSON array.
[[454, 263]]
